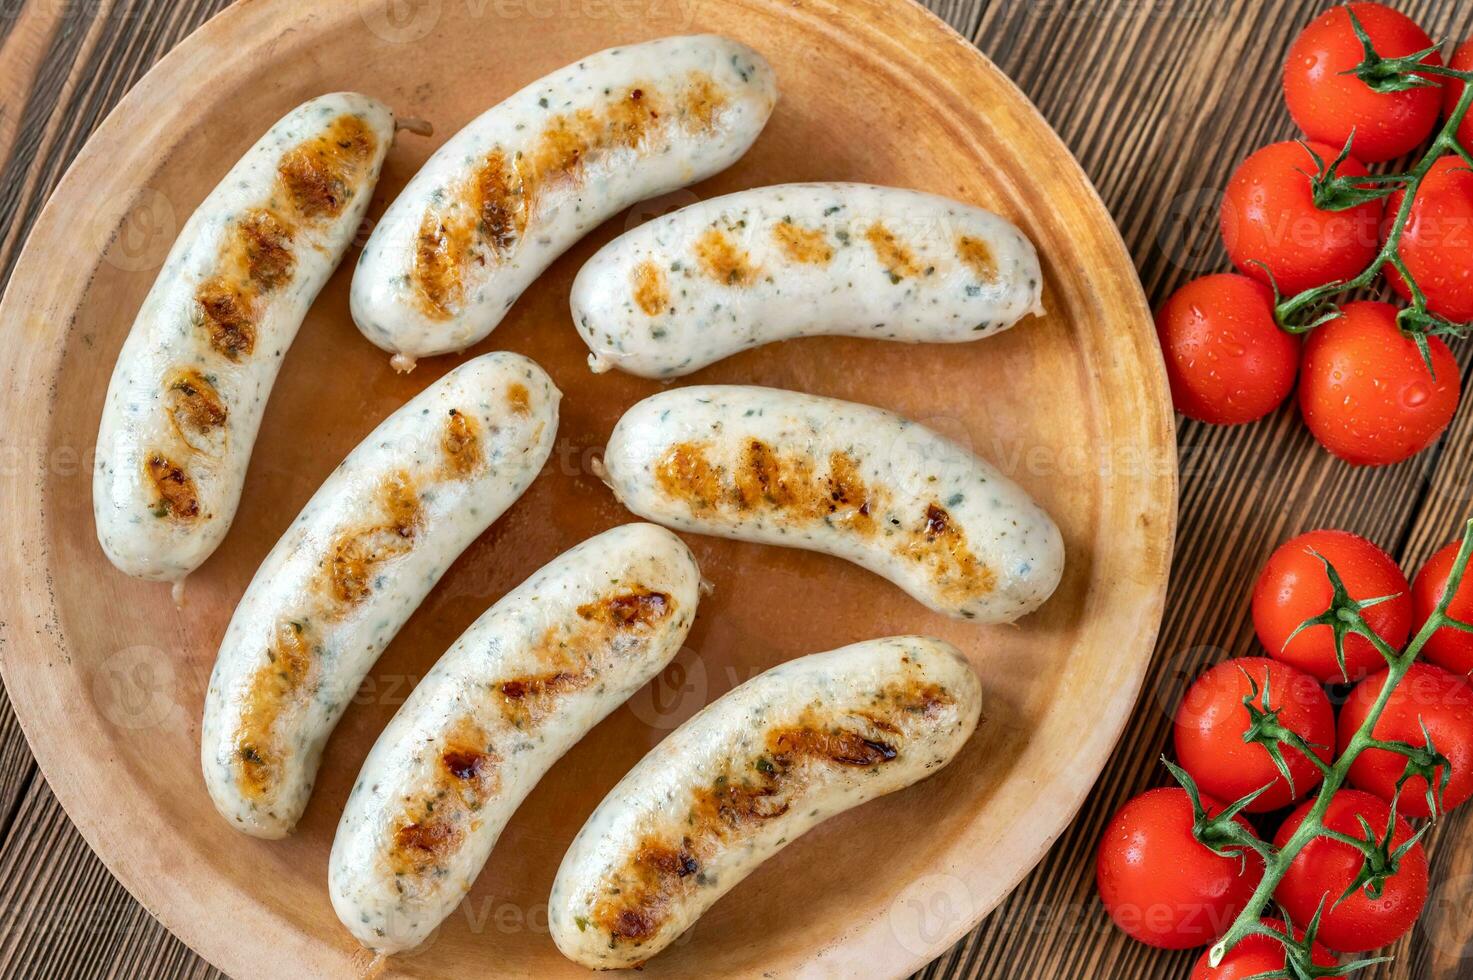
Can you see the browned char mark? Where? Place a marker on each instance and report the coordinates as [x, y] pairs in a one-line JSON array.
[[651, 291], [577, 655], [177, 497], [481, 219], [359, 554], [279, 686], [896, 257], [768, 481], [433, 823], [670, 862], [978, 257], [461, 445], [194, 407], [804, 245], [790, 488], [315, 180], [432, 826], [321, 175], [723, 260]]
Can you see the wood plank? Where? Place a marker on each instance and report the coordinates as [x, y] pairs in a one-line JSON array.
[[1159, 101]]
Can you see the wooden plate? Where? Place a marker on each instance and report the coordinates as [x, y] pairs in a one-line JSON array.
[[108, 678]]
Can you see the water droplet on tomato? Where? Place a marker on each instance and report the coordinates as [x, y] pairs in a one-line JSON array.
[[1415, 394]]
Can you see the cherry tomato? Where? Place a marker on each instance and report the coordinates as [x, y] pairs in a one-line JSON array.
[[1210, 722], [1226, 359], [1428, 696], [1365, 392], [1293, 587], [1257, 955], [1437, 245], [1328, 104], [1452, 90], [1448, 648], [1268, 216], [1162, 886], [1325, 868]]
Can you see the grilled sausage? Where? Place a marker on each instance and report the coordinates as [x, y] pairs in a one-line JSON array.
[[783, 468], [352, 567], [525, 180], [748, 775], [193, 376], [799, 260], [524, 683]]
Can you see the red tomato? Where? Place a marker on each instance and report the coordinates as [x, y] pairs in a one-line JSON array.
[[1256, 956], [1327, 103], [1325, 868], [1428, 696], [1437, 245], [1365, 392], [1448, 648], [1209, 726], [1293, 587], [1159, 884], [1268, 216], [1226, 358], [1452, 90]]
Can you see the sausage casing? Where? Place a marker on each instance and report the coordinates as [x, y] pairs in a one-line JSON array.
[[524, 683], [783, 468], [351, 568], [798, 260], [748, 775], [192, 379], [525, 180]]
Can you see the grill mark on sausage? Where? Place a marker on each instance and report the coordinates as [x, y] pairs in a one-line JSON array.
[[670, 862], [765, 480], [358, 555], [229, 315], [321, 175], [178, 498], [431, 827], [278, 685], [977, 254], [723, 261], [461, 445], [941, 545], [195, 409], [805, 245], [651, 291], [791, 489], [893, 254], [518, 399], [482, 219]]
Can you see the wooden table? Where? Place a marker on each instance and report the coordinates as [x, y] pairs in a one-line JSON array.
[[1159, 99]]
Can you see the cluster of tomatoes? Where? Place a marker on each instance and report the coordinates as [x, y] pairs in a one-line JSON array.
[[1164, 887], [1365, 391]]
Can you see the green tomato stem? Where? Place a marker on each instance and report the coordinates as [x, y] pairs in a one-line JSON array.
[[1277, 862], [1289, 311]]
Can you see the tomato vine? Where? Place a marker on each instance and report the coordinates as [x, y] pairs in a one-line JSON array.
[[1381, 858], [1334, 192]]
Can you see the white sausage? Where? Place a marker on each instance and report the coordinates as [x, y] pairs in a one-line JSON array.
[[193, 376], [524, 683], [783, 468], [525, 180], [352, 567], [749, 774], [799, 260]]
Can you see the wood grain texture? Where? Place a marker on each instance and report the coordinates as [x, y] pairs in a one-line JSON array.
[[1158, 99]]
